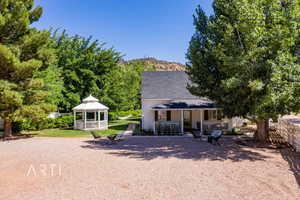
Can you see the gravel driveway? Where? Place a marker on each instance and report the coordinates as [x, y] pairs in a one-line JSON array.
[[144, 168]]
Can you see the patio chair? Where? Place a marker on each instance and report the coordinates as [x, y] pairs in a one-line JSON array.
[[197, 134], [115, 137], [214, 137], [96, 136]]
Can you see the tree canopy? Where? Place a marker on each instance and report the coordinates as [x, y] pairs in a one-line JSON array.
[[122, 85], [27, 64], [246, 58], [84, 63]]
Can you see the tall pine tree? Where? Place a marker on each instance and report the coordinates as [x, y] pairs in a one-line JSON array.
[[246, 58], [26, 57]]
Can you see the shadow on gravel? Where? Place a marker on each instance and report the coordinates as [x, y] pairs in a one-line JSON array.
[[293, 160], [148, 148]]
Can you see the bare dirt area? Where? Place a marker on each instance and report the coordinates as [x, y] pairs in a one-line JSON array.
[[145, 168]]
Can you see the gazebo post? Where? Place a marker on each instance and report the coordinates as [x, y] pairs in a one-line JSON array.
[[84, 119], [99, 119], [75, 119]]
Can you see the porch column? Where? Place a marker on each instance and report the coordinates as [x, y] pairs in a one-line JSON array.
[[182, 129], [74, 119], [201, 123], [99, 119], [84, 119]]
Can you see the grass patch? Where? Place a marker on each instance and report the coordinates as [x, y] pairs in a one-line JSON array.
[[114, 127], [123, 122], [76, 133]]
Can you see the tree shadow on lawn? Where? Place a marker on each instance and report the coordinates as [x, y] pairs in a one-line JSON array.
[[293, 160], [148, 148]]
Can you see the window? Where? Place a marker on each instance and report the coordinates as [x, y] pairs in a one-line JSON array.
[[162, 115], [206, 117], [213, 115], [168, 115], [156, 115], [210, 115]]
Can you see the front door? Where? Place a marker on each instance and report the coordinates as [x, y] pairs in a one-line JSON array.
[[187, 120]]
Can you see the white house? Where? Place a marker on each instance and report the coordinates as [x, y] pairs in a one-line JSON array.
[[168, 106]]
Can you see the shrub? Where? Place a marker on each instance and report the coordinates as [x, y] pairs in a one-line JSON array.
[[64, 121], [112, 116], [48, 123]]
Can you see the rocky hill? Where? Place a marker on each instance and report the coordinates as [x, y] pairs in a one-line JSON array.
[[159, 65]]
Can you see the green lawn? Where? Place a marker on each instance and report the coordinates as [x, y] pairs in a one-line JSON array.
[[122, 122], [114, 127], [76, 133]]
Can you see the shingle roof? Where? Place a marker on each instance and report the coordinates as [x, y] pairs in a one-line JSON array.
[[90, 103], [186, 104], [165, 85]]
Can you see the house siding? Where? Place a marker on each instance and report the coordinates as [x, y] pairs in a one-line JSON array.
[[148, 113]]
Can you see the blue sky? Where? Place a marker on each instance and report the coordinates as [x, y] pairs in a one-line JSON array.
[[137, 28]]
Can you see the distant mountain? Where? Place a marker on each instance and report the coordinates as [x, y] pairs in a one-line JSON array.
[[159, 65]]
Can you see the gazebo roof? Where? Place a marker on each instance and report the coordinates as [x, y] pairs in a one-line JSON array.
[[90, 103]]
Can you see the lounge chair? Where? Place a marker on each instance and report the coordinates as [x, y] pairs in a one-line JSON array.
[[115, 137], [96, 136], [215, 136]]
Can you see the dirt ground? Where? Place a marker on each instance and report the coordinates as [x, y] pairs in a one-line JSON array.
[[145, 168]]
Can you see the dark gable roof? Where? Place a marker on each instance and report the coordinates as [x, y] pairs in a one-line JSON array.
[[165, 85], [186, 104]]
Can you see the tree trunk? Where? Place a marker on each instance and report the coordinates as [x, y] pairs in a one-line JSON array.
[[262, 133], [7, 128]]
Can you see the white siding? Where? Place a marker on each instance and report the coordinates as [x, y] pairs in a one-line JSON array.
[[148, 114]]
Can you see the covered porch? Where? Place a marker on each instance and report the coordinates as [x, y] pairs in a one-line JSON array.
[[189, 115]]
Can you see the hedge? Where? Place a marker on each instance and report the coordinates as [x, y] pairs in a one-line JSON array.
[[48, 123]]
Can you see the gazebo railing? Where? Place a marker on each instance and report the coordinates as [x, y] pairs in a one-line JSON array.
[[91, 124]]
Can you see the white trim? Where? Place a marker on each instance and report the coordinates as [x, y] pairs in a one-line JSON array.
[[182, 124], [99, 120]]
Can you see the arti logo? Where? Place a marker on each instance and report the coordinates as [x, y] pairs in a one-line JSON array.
[[45, 170]]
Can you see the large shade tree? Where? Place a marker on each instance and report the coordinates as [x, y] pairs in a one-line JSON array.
[[122, 86], [84, 63], [246, 58], [26, 64]]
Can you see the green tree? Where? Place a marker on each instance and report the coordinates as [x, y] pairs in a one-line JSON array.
[[246, 58], [84, 64], [121, 91], [25, 58]]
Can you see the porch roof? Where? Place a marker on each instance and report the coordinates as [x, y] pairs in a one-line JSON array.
[[185, 104]]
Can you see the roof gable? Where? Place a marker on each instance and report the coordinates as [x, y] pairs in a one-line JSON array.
[[165, 85]]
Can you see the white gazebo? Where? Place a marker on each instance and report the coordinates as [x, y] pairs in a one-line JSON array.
[[90, 115]]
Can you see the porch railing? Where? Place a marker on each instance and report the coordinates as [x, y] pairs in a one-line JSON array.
[[168, 127]]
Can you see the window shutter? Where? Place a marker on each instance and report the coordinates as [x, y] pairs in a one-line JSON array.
[[168, 115], [156, 115], [206, 117]]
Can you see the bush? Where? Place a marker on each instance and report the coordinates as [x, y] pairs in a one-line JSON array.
[[48, 123], [112, 116]]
